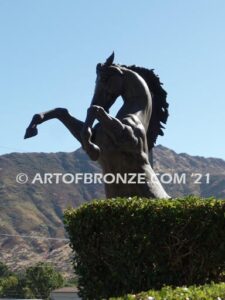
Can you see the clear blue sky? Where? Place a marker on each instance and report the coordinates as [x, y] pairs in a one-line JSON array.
[[49, 50]]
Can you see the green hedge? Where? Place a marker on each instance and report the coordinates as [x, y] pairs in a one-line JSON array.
[[205, 292], [126, 246]]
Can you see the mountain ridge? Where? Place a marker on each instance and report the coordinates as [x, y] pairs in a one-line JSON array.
[[37, 209]]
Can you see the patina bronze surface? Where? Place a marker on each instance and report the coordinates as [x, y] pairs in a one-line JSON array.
[[122, 144]]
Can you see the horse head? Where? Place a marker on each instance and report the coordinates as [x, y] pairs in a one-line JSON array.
[[109, 84]]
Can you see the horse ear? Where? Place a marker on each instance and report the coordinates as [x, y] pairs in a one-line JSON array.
[[110, 60]]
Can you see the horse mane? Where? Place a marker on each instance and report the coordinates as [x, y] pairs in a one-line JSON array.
[[159, 104]]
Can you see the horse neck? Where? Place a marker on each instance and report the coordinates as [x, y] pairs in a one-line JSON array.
[[137, 98]]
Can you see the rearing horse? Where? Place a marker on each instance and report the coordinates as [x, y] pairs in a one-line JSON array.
[[121, 145]]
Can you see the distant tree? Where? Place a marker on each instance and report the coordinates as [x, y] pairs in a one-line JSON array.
[[41, 279], [4, 270], [23, 291], [71, 282], [8, 281], [8, 286], [14, 285]]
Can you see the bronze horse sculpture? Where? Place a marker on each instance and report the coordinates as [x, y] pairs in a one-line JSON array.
[[122, 144]]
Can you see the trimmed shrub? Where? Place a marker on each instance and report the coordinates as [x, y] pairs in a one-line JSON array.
[[214, 291], [126, 246]]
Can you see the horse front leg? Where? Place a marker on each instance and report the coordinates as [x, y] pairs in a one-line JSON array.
[[122, 134], [113, 126], [91, 149], [74, 125]]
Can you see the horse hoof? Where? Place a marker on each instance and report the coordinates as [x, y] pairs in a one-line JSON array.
[[30, 132]]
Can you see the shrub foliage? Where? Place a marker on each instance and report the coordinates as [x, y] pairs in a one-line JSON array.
[[131, 245], [214, 291]]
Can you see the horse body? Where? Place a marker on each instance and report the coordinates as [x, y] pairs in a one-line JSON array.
[[119, 144], [127, 156]]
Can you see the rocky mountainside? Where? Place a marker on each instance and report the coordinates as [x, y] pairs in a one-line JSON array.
[[188, 174], [35, 208]]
